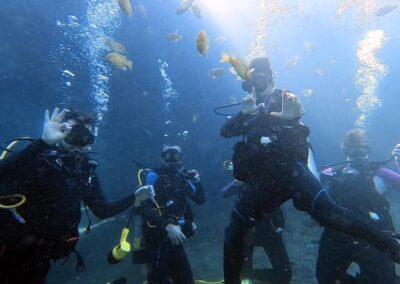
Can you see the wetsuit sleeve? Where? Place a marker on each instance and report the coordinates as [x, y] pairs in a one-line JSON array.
[[96, 201], [310, 197], [196, 192], [17, 163], [231, 189], [235, 126], [390, 177]]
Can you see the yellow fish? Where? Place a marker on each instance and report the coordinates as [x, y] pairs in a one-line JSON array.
[[126, 7], [119, 61], [241, 68], [114, 46], [202, 43]]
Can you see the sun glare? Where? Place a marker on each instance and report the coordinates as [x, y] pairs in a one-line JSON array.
[[236, 19]]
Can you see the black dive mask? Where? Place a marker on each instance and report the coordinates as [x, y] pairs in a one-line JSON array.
[[258, 80], [358, 155], [80, 136], [172, 156]]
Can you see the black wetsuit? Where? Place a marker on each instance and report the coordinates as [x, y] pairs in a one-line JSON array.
[[278, 172], [172, 189], [266, 234], [55, 183], [355, 189]]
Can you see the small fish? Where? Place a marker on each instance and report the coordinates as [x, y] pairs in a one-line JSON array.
[[219, 39], [308, 93], [202, 43], [320, 72], [119, 61], [174, 37], [241, 68], [126, 7], [216, 72], [114, 46], [292, 62], [148, 132], [385, 10], [348, 100], [196, 11], [184, 6]]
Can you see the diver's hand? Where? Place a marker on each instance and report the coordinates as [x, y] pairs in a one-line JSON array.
[[291, 107], [143, 193], [194, 174], [53, 129], [175, 234], [396, 152], [249, 103]]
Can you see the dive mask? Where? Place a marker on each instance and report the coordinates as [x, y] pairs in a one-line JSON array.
[[258, 80], [80, 135], [357, 155], [172, 156]]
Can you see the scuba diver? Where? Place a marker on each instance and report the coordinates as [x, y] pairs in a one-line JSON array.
[[358, 185], [41, 191], [272, 158], [266, 234], [168, 218]]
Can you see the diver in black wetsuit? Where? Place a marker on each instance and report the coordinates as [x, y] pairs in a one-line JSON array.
[[272, 158], [168, 219], [56, 175], [268, 235], [353, 186]]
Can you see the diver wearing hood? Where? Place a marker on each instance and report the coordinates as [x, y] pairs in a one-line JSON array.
[[55, 175], [273, 159], [354, 186], [168, 219]]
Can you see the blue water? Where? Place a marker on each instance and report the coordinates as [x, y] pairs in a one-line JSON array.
[[35, 50]]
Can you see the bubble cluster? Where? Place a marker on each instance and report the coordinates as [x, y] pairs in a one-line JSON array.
[[364, 10], [370, 71], [168, 91], [271, 13], [102, 21]]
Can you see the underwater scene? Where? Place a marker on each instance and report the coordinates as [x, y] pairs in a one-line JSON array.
[[199, 141]]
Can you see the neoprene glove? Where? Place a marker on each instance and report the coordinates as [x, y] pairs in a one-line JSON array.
[[53, 130], [175, 234], [291, 107], [249, 105], [143, 193]]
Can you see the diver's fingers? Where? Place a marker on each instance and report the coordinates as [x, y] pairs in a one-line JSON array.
[[61, 115], [54, 114], [260, 106], [46, 116], [65, 130], [253, 92]]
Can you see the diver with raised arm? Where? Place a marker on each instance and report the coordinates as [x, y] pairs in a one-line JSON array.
[[273, 158], [53, 176]]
